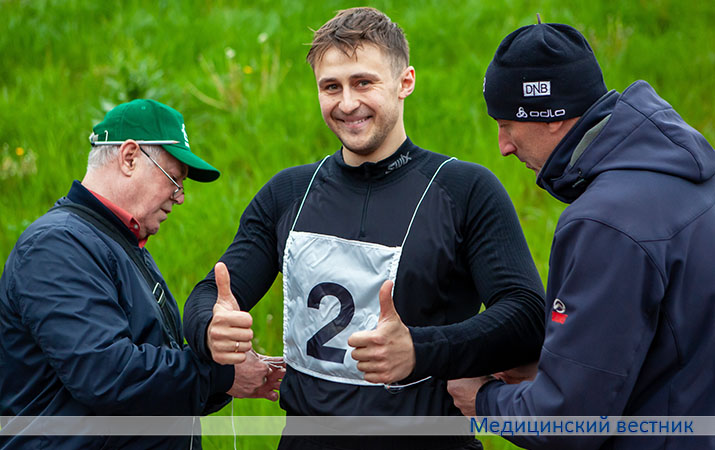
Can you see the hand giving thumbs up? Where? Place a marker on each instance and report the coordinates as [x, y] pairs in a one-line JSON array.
[[386, 354], [229, 333]]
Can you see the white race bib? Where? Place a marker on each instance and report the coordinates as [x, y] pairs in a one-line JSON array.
[[331, 287], [331, 290]]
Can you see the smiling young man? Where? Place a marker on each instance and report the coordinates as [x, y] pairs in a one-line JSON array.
[[379, 208], [362, 97], [88, 326]]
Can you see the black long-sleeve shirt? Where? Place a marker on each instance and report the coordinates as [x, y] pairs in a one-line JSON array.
[[465, 248]]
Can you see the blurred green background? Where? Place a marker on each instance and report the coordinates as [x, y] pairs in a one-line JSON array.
[[237, 72]]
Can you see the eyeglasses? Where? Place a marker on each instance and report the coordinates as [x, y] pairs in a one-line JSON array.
[[179, 189]]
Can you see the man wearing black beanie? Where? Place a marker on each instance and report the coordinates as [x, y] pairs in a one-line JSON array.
[[630, 297]]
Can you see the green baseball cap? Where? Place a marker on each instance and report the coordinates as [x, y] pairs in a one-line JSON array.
[[152, 123]]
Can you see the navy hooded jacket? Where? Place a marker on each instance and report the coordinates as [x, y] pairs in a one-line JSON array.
[[81, 335], [631, 266]]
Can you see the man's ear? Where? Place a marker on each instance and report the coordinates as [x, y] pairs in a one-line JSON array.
[[129, 153], [561, 127], [555, 127], [407, 82]]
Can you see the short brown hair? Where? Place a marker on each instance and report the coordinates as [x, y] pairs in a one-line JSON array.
[[351, 28]]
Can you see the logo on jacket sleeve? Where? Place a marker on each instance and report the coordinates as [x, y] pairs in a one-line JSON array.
[[558, 314]]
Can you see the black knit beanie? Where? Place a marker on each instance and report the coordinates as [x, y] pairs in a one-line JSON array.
[[542, 73]]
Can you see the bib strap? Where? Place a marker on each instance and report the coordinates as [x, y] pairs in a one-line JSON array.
[[306, 192], [423, 196]]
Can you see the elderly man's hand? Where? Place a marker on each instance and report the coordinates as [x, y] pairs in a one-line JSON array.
[[386, 354], [464, 390], [276, 372], [464, 393], [229, 333], [518, 374], [257, 377]]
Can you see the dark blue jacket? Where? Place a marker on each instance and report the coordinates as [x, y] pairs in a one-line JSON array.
[[80, 335], [632, 263]]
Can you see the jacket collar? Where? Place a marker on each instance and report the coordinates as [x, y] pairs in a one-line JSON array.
[[643, 133], [558, 176], [80, 195], [401, 161]]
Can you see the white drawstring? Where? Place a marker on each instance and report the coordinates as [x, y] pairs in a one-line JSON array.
[[233, 426]]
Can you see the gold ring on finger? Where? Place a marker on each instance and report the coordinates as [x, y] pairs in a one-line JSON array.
[[238, 347]]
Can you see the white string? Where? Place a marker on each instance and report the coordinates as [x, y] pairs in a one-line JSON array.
[[306, 192], [422, 198], [399, 387], [191, 445], [233, 426], [274, 362]]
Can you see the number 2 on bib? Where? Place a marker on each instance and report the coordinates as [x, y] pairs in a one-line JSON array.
[[316, 345]]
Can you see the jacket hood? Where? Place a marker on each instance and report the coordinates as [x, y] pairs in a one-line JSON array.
[[643, 132]]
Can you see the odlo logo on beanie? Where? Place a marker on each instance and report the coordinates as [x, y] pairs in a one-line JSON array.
[[542, 73]]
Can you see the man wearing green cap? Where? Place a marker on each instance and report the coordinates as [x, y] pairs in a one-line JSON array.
[[88, 326]]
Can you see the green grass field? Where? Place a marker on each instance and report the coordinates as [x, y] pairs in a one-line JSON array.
[[236, 71]]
